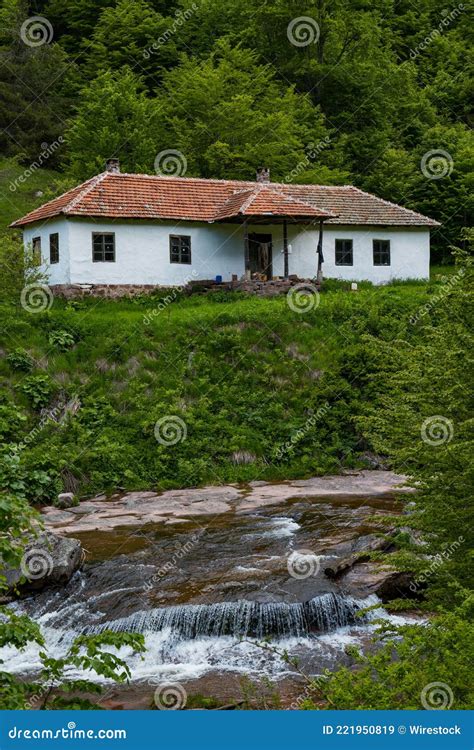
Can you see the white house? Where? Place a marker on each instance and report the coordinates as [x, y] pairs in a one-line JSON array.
[[136, 229]]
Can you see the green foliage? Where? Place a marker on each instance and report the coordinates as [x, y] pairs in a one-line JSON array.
[[53, 690], [18, 269], [32, 78], [114, 116], [411, 658], [374, 92], [209, 361], [19, 359], [38, 389], [229, 113], [422, 417], [61, 339], [19, 473], [89, 653]]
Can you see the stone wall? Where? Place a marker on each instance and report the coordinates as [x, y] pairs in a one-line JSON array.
[[115, 291], [111, 291]]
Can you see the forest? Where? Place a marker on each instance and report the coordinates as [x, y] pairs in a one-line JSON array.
[[375, 94]]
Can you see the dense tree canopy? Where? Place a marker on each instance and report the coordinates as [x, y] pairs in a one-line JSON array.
[[348, 91]]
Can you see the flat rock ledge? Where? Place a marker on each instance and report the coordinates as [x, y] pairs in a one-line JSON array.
[[177, 506]]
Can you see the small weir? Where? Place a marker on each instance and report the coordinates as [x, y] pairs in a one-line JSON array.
[[242, 618]]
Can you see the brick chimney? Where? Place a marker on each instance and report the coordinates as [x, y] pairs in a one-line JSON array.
[[112, 165], [263, 174]]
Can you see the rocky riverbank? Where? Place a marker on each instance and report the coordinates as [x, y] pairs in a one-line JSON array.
[[131, 509]]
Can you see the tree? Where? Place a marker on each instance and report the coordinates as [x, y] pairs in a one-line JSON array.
[[35, 86], [132, 33], [114, 118], [422, 418], [228, 114]]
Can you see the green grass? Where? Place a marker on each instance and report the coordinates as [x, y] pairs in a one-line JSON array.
[[247, 377], [18, 187]]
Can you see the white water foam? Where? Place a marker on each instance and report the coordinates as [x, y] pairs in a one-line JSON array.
[[171, 658]]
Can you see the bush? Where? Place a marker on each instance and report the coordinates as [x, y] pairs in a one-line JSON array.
[[19, 359]]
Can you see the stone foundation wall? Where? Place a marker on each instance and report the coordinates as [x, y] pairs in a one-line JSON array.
[[115, 291], [110, 291]]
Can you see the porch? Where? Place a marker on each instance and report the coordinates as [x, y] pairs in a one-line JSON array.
[[257, 210]]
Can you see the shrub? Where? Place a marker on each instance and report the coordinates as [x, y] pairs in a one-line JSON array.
[[19, 359]]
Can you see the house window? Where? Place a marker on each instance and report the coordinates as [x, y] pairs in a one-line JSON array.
[[180, 248], [54, 248], [381, 252], [344, 253], [36, 247], [103, 247]]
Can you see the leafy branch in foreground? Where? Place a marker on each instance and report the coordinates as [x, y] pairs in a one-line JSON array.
[[53, 690]]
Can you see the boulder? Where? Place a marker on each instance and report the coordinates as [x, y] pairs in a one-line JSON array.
[[48, 560], [65, 500], [361, 549], [380, 579], [374, 461]]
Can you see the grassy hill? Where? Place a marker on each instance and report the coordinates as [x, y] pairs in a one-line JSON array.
[[255, 390], [23, 188], [247, 387]]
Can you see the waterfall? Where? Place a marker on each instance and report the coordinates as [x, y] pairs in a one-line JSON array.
[[242, 618]]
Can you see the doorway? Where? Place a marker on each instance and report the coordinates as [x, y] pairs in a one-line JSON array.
[[260, 254]]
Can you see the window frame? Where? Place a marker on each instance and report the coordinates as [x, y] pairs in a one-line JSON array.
[[54, 248], [344, 252], [180, 237], [103, 259], [36, 250], [378, 253]]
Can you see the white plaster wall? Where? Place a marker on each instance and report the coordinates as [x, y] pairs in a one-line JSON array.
[[142, 252], [409, 252], [57, 273]]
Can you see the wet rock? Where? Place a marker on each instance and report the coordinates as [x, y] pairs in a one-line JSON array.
[[374, 461], [380, 579], [361, 547], [48, 560], [65, 500]]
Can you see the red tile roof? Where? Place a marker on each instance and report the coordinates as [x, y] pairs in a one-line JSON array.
[[139, 196], [265, 199]]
